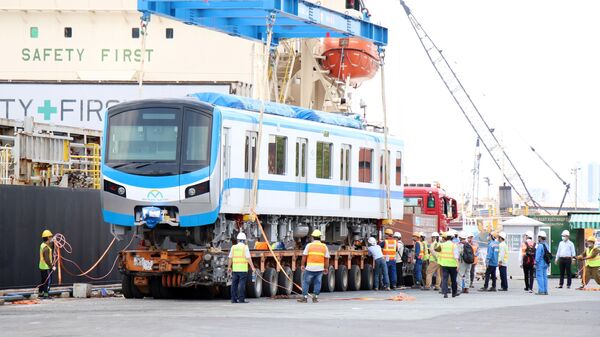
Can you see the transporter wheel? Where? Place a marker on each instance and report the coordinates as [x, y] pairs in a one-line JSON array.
[[135, 291], [285, 283], [341, 278], [159, 291], [354, 278], [225, 292], [367, 277], [126, 285], [298, 280], [254, 289], [270, 282], [328, 282]]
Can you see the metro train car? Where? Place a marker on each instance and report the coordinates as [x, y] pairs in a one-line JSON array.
[[183, 169]]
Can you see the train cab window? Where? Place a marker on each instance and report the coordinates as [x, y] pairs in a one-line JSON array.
[[383, 168], [398, 168], [430, 201], [324, 160], [365, 160], [196, 144], [277, 151]]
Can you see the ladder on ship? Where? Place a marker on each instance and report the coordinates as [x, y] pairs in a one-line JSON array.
[[484, 133]]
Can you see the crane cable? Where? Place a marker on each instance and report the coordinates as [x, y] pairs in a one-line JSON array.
[[386, 153]]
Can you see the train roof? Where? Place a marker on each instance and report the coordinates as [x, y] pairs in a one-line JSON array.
[[243, 103]]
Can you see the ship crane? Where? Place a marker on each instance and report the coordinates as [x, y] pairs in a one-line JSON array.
[[565, 184], [484, 133]]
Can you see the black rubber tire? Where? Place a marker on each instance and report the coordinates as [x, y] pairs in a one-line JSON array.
[[354, 278], [126, 286], [254, 289], [156, 288], [285, 285], [137, 293], [225, 292], [328, 281], [367, 277], [298, 281], [270, 282], [341, 278]]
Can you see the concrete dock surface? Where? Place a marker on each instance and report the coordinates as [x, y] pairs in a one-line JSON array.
[[565, 312]]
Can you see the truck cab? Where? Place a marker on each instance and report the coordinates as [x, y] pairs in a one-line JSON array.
[[430, 200]]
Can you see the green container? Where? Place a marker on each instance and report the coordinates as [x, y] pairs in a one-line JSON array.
[[557, 224]]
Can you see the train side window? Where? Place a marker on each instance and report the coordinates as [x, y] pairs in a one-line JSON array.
[[250, 152], [383, 168], [398, 168], [324, 160], [277, 152], [365, 159]]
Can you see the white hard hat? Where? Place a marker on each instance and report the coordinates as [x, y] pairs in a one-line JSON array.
[[241, 236], [502, 235], [462, 235], [565, 232], [372, 241], [529, 234], [397, 235], [542, 234], [470, 234], [435, 234]]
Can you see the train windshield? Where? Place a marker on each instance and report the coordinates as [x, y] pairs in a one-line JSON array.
[[158, 141]]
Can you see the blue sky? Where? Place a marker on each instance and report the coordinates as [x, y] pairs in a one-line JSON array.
[[532, 67]]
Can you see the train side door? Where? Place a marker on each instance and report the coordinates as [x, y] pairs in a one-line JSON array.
[[345, 160], [249, 160], [300, 172], [226, 164]]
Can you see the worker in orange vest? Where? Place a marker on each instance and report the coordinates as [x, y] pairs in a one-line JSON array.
[[389, 247], [315, 263], [45, 264], [419, 254], [475, 247]]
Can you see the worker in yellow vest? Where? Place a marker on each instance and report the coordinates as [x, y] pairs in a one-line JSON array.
[[433, 267], [45, 264], [426, 255], [239, 259], [448, 259], [591, 256], [389, 247], [503, 261], [315, 263]]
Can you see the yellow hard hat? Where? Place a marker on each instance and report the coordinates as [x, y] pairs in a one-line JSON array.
[[591, 238], [316, 233], [46, 234], [416, 234], [389, 231]]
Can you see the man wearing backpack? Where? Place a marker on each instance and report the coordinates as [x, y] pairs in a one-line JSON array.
[[542, 262], [466, 258], [475, 247], [491, 262], [527, 259]]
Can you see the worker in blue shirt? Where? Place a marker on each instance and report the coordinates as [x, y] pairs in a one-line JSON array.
[[491, 262], [419, 253], [541, 266]]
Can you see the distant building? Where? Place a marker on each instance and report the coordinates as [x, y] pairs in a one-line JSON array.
[[592, 182]]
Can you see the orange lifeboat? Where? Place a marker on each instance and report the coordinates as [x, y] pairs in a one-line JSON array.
[[350, 57]]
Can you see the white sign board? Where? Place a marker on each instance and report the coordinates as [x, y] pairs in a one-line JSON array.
[[83, 105]]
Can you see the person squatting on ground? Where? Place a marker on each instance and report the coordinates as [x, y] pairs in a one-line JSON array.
[[399, 260], [503, 261], [466, 258], [542, 263], [239, 259], [564, 256], [475, 247], [491, 262], [315, 263], [380, 266], [45, 264], [527, 260], [434, 266], [448, 260], [591, 256], [390, 249]]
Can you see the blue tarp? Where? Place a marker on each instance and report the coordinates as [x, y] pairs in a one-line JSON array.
[[244, 103]]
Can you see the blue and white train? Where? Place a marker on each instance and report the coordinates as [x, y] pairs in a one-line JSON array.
[[183, 169]]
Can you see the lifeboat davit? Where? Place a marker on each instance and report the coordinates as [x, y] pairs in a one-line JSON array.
[[350, 57]]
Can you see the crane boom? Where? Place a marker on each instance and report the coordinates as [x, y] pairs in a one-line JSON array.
[[484, 133]]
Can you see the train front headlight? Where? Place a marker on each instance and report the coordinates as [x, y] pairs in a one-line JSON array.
[[121, 191], [191, 191]]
